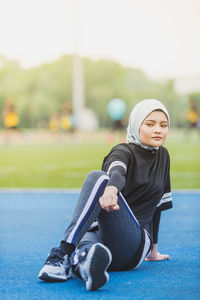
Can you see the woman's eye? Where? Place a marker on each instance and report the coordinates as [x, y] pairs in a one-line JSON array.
[[149, 124]]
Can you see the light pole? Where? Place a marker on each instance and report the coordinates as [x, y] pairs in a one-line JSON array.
[[78, 101]]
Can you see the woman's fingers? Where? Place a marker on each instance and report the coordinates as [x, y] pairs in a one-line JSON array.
[[109, 202], [164, 257], [157, 257], [104, 203], [116, 207]]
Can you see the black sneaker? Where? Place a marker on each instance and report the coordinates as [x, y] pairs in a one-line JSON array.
[[57, 267], [93, 266]]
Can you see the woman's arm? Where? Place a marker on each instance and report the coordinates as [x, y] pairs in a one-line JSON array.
[[155, 255], [117, 181]]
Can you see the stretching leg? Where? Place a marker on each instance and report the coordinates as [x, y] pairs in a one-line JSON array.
[[119, 230]]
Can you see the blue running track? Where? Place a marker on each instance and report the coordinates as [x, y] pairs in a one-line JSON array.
[[33, 222]]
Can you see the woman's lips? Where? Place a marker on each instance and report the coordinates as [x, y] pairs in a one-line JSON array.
[[157, 137]]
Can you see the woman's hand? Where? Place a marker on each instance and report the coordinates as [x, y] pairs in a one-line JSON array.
[[108, 200], [156, 256]]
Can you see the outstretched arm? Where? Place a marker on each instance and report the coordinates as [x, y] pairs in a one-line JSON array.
[[155, 255], [108, 200]]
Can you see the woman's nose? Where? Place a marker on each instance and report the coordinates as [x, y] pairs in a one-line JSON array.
[[157, 128]]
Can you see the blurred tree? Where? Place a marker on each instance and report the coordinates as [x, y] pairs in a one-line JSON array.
[[39, 92]]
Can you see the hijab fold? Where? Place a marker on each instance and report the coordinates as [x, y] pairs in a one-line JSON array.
[[137, 116]]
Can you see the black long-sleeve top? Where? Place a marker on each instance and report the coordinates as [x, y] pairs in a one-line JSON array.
[[144, 180]]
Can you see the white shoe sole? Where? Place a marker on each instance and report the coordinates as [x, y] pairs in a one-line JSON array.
[[52, 278]]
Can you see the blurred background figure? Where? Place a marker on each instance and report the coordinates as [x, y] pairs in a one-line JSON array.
[[67, 119], [10, 116], [66, 113], [54, 125], [11, 121], [62, 122], [116, 109], [193, 116], [54, 122]]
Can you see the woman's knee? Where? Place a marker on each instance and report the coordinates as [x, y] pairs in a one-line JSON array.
[[95, 175], [96, 179]]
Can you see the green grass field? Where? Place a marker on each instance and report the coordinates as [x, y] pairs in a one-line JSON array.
[[65, 165]]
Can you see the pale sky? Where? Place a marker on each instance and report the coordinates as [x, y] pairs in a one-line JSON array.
[[162, 37]]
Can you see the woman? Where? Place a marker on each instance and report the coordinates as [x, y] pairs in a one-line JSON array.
[[116, 220]]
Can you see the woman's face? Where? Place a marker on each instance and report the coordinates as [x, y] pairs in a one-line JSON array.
[[154, 129]]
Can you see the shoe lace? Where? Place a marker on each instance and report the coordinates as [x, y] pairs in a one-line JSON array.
[[56, 257]]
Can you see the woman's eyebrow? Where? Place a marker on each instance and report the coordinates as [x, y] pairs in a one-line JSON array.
[[149, 120]]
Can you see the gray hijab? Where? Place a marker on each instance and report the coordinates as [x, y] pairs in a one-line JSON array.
[[137, 116]]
